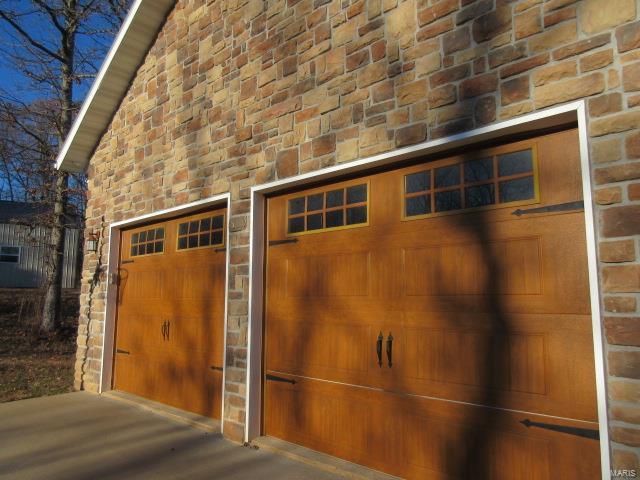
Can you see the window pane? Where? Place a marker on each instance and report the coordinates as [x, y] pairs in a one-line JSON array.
[[134, 250], [447, 176], [314, 222], [417, 182], [193, 241], [149, 248], [514, 163], [216, 238], [420, 205], [151, 235], [159, 247], [183, 228], [205, 224], [296, 225], [217, 221], [10, 250], [519, 189], [296, 205], [357, 193], [160, 233], [335, 198], [205, 239], [314, 202], [182, 243], [8, 259], [446, 201], [134, 238], [356, 215], [334, 218], [193, 226], [142, 237], [480, 196], [478, 170]]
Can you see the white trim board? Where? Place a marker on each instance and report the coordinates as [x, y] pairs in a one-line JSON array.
[[113, 255], [553, 117], [130, 47]]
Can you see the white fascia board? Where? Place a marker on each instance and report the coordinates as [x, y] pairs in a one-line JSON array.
[[137, 34]]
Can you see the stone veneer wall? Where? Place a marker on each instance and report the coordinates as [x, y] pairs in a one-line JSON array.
[[236, 93]]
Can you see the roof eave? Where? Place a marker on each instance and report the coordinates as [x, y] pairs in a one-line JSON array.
[[135, 38]]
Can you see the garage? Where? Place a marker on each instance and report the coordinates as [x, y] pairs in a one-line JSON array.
[[433, 321], [170, 316]]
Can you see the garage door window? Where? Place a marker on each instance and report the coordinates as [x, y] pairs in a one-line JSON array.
[[202, 233], [148, 242], [329, 210], [487, 181], [9, 254]]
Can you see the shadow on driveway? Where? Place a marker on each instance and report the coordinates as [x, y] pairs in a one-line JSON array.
[[85, 436]]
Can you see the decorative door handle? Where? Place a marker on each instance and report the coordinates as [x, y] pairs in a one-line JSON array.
[[379, 349], [389, 348], [164, 330], [168, 329]]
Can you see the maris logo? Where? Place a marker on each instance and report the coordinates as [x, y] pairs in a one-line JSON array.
[[624, 474]]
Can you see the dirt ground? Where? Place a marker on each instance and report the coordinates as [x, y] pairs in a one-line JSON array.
[[32, 365]]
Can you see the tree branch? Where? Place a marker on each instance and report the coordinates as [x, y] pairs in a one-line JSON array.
[[23, 33]]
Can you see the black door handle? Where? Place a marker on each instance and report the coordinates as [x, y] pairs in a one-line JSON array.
[[168, 330], [379, 349], [389, 348], [163, 329]]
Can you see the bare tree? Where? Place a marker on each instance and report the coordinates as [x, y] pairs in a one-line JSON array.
[[53, 45]]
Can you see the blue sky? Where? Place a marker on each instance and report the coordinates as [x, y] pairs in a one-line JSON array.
[[11, 77]]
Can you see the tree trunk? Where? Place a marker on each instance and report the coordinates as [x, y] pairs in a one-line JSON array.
[[53, 294]]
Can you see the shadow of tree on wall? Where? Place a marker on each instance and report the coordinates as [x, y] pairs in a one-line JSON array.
[[468, 440]]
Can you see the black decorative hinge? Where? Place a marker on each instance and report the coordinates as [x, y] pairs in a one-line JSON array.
[[280, 379], [125, 352], [213, 367], [560, 207], [282, 242], [579, 432], [123, 262]]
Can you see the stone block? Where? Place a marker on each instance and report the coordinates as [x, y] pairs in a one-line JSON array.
[[599, 15], [617, 251], [567, 90], [620, 304], [628, 37], [514, 90], [412, 134], [411, 92]]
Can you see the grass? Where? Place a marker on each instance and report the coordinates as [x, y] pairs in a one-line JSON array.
[[32, 365]]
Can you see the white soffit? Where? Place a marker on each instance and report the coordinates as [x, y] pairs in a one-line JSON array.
[[137, 34]]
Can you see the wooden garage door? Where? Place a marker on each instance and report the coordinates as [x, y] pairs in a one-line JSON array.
[[434, 321], [170, 325]]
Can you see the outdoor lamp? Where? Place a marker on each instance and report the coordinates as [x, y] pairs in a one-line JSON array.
[[92, 242]]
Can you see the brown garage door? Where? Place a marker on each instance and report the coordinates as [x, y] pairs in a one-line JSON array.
[[434, 321], [170, 325]]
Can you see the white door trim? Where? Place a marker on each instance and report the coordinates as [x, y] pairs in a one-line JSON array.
[[567, 114], [113, 256]]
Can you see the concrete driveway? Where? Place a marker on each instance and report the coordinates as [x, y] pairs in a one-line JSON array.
[[85, 436]]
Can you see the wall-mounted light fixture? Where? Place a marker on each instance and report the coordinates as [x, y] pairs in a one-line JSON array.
[[92, 242]]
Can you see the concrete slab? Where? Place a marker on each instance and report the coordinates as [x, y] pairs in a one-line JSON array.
[[86, 436]]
